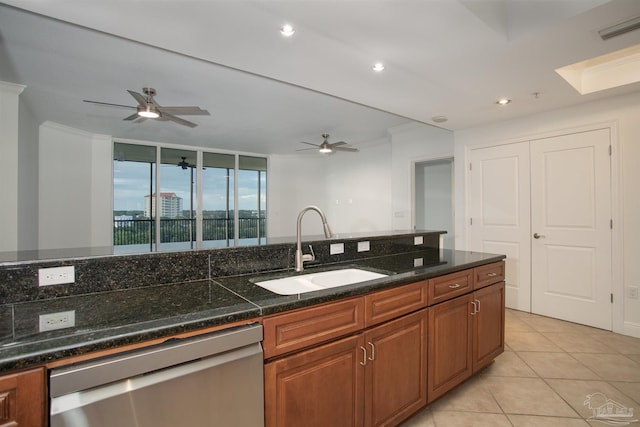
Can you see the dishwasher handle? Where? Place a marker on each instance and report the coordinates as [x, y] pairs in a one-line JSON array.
[[105, 370]]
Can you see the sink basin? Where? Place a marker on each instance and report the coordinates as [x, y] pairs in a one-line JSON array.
[[318, 281]]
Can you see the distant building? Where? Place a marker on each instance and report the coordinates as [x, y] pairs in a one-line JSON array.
[[170, 205], [123, 220]]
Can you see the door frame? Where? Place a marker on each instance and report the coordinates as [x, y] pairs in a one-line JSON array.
[[412, 190], [617, 283]]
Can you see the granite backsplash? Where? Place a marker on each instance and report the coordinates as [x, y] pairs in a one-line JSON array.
[[19, 281]]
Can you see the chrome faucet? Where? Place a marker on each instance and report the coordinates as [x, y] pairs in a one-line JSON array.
[[300, 257]]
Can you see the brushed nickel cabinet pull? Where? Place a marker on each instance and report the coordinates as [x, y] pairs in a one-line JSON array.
[[478, 301], [457, 285], [492, 274], [473, 313], [364, 356], [373, 352]]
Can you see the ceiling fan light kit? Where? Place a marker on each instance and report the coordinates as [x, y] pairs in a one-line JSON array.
[[328, 148], [148, 108], [148, 112]]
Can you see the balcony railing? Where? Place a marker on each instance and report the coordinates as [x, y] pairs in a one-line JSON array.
[[142, 231]]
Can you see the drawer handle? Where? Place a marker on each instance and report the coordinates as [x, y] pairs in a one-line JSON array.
[[492, 274], [364, 356], [456, 286]]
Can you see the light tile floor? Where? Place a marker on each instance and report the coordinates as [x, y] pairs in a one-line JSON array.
[[544, 378]]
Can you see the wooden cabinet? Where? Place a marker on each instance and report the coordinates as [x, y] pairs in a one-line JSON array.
[[450, 345], [322, 386], [374, 378], [450, 285], [396, 370], [488, 325], [377, 359], [488, 274], [299, 329], [465, 335], [22, 399]]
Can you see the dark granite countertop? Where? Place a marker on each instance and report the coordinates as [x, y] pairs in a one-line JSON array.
[[115, 318]]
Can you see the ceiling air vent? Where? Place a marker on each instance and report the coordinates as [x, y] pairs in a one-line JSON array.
[[619, 29]]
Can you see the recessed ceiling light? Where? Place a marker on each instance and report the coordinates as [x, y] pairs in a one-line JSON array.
[[378, 66], [503, 101], [287, 30], [439, 119]]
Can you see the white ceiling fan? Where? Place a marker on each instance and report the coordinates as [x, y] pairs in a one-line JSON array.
[[148, 108], [328, 148]]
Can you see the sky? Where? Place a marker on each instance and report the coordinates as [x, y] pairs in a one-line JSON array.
[[131, 184]]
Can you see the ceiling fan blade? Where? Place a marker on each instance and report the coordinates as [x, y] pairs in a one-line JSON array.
[[107, 104], [138, 97], [353, 150], [308, 143], [337, 144], [178, 120], [133, 117], [184, 111], [308, 149]]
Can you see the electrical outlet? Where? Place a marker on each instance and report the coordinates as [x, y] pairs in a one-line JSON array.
[[418, 262], [632, 292], [56, 275], [336, 248], [364, 246], [53, 321], [418, 240]]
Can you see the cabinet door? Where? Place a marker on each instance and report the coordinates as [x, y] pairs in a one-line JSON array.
[[488, 325], [22, 399], [322, 386], [449, 345], [396, 370]]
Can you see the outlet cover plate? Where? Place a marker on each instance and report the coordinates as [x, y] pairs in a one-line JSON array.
[[336, 248], [56, 275], [364, 246], [60, 320]]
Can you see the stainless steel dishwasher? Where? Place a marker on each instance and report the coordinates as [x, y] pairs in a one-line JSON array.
[[208, 380]]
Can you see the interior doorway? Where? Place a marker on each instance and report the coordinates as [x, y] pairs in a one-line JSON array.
[[434, 198]]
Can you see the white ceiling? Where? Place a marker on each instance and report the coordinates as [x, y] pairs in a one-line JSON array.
[[451, 58]]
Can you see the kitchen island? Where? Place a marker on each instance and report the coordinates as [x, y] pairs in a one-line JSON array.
[[115, 316]]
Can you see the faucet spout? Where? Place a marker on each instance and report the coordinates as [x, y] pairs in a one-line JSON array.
[[300, 257]]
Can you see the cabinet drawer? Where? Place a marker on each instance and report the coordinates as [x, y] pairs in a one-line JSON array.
[[487, 274], [391, 303], [303, 328], [450, 285]]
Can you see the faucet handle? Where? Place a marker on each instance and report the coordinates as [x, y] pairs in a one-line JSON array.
[[309, 257]]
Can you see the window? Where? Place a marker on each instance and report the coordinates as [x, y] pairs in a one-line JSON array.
[[134, 172], [229, 209]]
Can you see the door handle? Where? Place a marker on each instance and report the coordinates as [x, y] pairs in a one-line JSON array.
[[538, 236], [364, 356], [475, 308], [478, 301]]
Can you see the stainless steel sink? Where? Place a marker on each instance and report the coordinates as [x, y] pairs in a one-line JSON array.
[[317, 281]]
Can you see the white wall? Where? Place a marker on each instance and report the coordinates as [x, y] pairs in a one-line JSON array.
[[27, 180], [353, 189], [624, 111], [434, 198], [410, 144], [9, 107], [75, 188]]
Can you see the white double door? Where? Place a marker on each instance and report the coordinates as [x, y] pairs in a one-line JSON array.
[[546, 204]]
